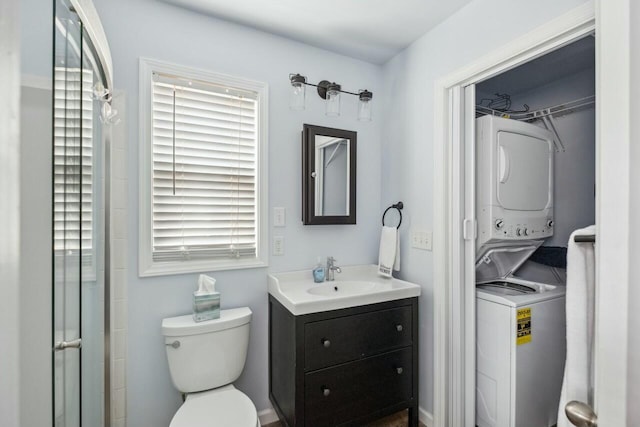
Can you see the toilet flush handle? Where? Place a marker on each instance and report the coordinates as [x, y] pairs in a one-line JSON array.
[[175, 344]]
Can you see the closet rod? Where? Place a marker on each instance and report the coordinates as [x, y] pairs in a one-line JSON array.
[[559, 109]]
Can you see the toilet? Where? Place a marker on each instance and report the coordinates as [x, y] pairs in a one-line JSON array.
[[205, 358]]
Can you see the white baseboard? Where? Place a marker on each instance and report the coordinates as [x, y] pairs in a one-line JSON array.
[[268, 416], [425, 417]]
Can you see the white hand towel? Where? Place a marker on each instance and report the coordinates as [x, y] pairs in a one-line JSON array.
[[578, 370], [389, 254]]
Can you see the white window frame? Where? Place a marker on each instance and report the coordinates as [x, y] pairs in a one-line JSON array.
[[146, 265]]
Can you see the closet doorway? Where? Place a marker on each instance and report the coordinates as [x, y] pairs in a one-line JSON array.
[[455, 211], [535, 175]]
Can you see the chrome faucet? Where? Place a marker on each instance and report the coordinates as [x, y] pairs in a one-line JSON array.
[[331, 268]]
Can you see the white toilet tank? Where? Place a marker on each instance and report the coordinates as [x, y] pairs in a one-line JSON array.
[[207, 355]]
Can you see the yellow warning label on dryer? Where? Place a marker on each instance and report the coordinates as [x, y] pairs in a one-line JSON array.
[[524, 326]]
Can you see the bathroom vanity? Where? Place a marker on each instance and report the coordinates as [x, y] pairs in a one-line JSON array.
[[343, 366]]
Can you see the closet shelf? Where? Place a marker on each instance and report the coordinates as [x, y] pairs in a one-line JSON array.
[[546, 115], [556, 110]]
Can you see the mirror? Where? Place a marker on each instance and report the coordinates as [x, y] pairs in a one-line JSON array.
[[328, 175]]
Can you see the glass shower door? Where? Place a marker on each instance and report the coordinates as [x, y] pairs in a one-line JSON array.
[[78, 225]]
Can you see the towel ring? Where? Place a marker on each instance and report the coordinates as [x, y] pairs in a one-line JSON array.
[[398, 206]]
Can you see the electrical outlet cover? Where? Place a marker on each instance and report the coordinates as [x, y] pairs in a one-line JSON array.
[[278, 246]]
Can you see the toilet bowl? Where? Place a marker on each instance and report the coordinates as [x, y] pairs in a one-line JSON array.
[[204, 360], [221, 407]]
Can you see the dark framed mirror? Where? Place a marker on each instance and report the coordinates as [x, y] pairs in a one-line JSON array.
[[328, 175]]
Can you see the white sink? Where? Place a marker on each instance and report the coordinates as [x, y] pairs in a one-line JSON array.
[[356, 285], [340, 288]]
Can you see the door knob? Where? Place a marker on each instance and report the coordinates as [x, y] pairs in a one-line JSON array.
[[326, 343], [580, 414]]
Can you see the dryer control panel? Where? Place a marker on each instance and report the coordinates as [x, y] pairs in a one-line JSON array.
[[498, 224], [522, 228]]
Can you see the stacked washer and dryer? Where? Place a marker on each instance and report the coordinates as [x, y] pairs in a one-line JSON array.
[[520, 324]]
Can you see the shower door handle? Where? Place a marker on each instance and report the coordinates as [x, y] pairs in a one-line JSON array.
[[63, 345], [580, 414]]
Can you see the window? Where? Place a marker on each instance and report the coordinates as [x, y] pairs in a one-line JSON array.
[[203, 171]]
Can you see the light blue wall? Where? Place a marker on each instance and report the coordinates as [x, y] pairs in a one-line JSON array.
[[157, 30], [36, 37], [407, 134]]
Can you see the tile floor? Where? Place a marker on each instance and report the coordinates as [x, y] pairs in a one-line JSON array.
[[398, 419]]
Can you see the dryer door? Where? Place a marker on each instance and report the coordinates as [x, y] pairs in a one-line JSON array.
[[524, 171]]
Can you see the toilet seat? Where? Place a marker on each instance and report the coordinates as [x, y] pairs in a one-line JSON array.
[[225, 407]]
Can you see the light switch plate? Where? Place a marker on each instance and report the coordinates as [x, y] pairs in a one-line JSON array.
[[278, 246], [422, 239], [428, 240], [279, 217]]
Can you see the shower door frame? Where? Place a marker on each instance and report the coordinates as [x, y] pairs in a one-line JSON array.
[[96, 43]]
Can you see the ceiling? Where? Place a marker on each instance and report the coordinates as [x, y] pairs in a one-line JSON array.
[[564, 62], [371, 30]]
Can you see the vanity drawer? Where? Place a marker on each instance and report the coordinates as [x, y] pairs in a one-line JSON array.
[[352, 390], [339, 340]]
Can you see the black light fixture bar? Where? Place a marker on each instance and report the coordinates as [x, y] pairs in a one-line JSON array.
[[330, 92], [324, 85]]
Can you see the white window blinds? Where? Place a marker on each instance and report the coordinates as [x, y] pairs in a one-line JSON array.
[[204, 145], [73, 161]]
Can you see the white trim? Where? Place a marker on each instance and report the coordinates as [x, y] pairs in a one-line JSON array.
[[146, 266], [268, 416], [425, 417], [448, 295], [10, 212], [613, 216]]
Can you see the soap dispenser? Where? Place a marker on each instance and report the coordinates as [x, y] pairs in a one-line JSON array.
[[318, 271]]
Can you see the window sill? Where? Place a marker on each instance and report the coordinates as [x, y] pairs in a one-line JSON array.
[[199, 266]]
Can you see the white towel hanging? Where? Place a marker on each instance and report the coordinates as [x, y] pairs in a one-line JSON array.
[[578, 372], [389, 254]]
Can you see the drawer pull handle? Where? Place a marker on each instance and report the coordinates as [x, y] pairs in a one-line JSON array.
[[399, 371], [326, 343], [325, 391], [399, 328]]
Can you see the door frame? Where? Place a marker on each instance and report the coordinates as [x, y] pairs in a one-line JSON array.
[[454, 312]]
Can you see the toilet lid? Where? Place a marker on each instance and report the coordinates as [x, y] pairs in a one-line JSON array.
[[226, 408]]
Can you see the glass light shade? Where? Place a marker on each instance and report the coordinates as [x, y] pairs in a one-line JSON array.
[[333, 103], [364, 111], [364, 105], [297, 96]]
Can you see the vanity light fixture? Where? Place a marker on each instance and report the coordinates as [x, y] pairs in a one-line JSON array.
[[329, 91], [298, 83]]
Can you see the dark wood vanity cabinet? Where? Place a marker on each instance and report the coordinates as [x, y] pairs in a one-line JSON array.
[[344, 367]]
